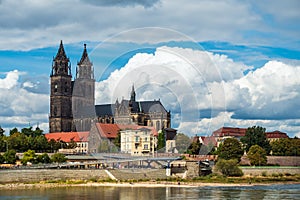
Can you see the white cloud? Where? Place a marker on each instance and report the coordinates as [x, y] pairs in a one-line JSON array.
[[10, 80], [39, 24], [18, 106], [189, 82]]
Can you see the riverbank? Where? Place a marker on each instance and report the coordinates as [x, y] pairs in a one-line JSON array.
[[149, 184], [27, 179]]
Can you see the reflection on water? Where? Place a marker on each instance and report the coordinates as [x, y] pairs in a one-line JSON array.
[[145, 193]]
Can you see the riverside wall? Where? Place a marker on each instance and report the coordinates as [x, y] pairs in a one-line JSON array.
[[270, 171], [37, 175]]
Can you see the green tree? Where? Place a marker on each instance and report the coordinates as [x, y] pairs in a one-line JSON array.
[[29, 157], [44, 158], [231, 149], [117, 140], [256, 135], [194, 148], [1, 159], [1, 131], [161, 140], [58, 158], [286, 147], [182, 142], [257, 156], [10, 157], [13, 131], [72, 144], [229, 167]]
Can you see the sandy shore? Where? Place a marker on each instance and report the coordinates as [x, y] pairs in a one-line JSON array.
[[138, 184]]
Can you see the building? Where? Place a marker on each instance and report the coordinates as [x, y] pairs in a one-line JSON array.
[[230, 132], [105, 134], [72, 106], [81, 139], [275, 135], [138, 142], [170, 135]]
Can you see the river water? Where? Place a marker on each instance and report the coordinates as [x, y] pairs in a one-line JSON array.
[[290, 191]]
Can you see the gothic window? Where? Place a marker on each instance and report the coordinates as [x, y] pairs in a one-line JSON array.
[[55, 111], [55, 87], [66, 87], [157, 125]]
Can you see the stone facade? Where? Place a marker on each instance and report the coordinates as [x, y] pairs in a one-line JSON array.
[[72, 103]]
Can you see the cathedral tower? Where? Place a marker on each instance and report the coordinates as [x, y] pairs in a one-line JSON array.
[[60, 118], [84, 93]]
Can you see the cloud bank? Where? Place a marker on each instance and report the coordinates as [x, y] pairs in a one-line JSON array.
[[205, 91], [35, 24]]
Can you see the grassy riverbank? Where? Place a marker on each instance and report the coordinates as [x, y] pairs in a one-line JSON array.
[[210, 180]]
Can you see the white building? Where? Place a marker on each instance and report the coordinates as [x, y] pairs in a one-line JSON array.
[[139, 142]]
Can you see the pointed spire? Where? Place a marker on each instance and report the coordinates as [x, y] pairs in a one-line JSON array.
[[132, 95], [61, 52], [84, 57]]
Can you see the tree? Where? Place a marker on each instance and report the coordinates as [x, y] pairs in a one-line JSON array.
[[256, 135], [161, 140], [1, 159], [72, 144], [10, 157], [257, 156], [1, 131], [13, 131], [182, 142], [231, 148], [58, 158], [194, 148], [43, 158], [229, 167], [117, 140], [286, 147], [29, 157]]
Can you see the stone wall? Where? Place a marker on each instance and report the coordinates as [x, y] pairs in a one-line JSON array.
[[192, 169], [270, 170], [277, 160], [37, 175]]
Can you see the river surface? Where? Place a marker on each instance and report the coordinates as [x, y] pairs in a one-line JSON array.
[[290, 191]]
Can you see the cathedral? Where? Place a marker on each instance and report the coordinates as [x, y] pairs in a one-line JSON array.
[[72, 102]]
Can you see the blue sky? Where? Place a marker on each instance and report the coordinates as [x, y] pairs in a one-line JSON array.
[[252, 52]]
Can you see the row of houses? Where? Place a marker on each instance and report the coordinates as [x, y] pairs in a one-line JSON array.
[[134, 139], [223, 133], [142, 140]]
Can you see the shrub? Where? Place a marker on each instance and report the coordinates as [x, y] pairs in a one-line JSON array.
[[264, 173], [229, 167]]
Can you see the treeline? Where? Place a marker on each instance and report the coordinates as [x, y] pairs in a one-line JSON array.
[[29, 139]]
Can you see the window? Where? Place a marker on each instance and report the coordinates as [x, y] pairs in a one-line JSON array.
[[146, 139], [136, 138], [55, 87], [146, 146]]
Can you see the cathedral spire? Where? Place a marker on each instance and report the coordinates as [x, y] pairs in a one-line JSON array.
[[85, 66], [61, 63], [61, 54], [84, 57], [132, 95]]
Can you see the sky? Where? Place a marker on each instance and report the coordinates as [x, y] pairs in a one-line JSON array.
[[211, 63]]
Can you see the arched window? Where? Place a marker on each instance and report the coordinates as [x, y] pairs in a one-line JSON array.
[[55, 87]]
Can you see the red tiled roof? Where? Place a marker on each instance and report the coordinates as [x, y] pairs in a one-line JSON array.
[[110, 131], [68, 136], [229, 131], [276, 134], [240, 132]]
